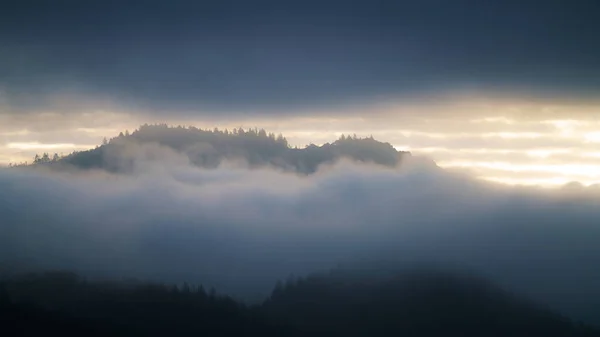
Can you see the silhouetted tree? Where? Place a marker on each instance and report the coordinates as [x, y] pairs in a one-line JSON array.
[[338, 303], [185, 289], [209, 148]]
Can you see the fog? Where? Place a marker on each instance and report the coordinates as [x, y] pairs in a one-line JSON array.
[[241, 229]]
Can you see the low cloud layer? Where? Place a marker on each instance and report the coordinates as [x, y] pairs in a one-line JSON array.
[[241, 230]]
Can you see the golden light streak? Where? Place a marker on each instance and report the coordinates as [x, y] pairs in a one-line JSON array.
[[42, 146]]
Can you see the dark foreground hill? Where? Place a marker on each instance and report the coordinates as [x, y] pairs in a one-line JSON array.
[[209, 148], [418, 303]]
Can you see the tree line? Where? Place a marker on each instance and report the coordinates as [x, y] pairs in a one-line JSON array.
[[336, 303], [209, 148]]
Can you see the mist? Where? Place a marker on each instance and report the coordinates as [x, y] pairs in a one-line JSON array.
[[240, 229]]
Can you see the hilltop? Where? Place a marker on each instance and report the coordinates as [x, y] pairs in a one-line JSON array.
[[209, 148]]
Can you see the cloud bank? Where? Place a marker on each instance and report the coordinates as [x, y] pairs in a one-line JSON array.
[[241, 230], [284, 54]]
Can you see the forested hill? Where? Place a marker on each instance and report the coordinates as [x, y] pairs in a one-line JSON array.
[[208, 148], [412, 303]]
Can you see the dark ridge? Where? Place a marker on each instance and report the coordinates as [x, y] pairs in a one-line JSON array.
[[338, 303], [209, 148], [413, 303]]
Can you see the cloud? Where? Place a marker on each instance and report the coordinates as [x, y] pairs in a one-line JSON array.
[[468, 129], [270, 55], [241, 229]]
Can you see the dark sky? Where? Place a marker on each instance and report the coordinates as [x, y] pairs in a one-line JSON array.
[[278, 55]]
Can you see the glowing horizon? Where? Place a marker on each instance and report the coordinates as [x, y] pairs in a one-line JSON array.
[[514, 143]]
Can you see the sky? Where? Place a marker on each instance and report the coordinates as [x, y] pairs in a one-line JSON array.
[[507, 90]]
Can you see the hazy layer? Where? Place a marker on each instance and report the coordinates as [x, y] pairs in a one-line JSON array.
[[240, 229]]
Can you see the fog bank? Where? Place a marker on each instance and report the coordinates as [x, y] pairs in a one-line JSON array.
[[240, 229]]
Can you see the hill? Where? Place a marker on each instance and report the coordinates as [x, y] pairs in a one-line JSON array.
[[339, 303], [209, 148]]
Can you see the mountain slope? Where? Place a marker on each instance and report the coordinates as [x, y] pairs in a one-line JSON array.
[[341, 303], [414, 303]]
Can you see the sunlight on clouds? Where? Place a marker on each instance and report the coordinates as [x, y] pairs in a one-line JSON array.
[[591, 155], [572, 170], [23, 132], [534, 153], [24, 152], [545, 143], [565, 123], [499, 119], [102, 131], [549, 182], [513, 135], [593, 137], [546, 153], [41, 146]]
